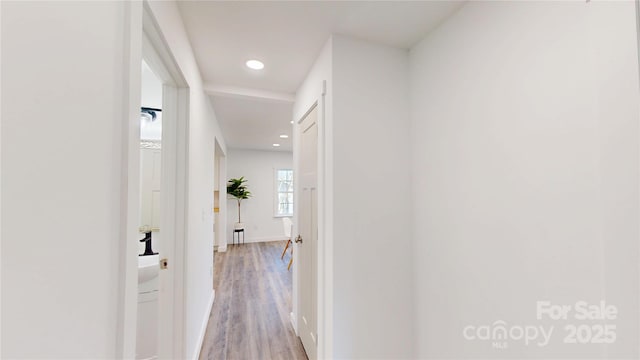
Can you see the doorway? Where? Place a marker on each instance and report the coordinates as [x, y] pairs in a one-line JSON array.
[[150, 210], [173, 186], [219, 199], [168, 333]]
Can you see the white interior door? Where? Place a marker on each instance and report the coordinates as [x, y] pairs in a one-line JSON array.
[[307, 242]]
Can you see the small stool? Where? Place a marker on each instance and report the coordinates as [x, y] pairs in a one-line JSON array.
[[238, 231]]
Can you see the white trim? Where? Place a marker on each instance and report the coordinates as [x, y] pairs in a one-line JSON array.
[[203, 327], [325, 228], [127, 306], [637, 6], [182, 213], [0, 174], [161, 60], [220, 173]]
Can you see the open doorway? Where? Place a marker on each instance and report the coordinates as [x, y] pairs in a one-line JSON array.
[[219, 199], [250, 317], [170, 318], [150, 209], [152, 315]]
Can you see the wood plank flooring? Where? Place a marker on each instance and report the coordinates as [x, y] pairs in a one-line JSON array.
[[250, 316]]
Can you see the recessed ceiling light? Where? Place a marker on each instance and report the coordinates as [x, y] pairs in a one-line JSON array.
[[291, 121], [255, 64], [284, 136], [276, 145]]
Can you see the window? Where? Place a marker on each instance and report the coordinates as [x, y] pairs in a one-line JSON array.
[[284, 192]]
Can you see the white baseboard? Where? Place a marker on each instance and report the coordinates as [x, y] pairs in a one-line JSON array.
[[203, 328]]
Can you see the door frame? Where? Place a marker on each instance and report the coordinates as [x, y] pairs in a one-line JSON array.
[[324, 316], [220, 227], [145, 41], [637, 7]]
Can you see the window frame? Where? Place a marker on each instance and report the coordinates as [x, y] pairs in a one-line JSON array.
[[277, 192]]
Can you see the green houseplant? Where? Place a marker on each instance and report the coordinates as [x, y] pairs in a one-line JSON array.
[[237, 189]]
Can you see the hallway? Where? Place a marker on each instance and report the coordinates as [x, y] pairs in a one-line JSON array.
[[250, 316]]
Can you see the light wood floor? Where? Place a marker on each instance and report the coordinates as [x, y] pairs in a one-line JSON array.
[[250, 316]]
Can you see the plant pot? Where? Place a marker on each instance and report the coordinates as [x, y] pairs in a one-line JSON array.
[[238, 225]]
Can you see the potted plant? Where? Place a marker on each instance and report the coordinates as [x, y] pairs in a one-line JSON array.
[[238, 190]]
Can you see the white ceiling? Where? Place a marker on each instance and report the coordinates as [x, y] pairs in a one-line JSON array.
[[250, 123], [288, 36]]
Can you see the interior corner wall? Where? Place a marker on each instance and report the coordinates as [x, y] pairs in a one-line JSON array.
[[203, 131], [62, 109], [373, 283], [524, 122], [258, 167]]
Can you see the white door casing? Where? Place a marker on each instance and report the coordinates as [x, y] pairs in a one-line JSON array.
[[143, 32], [308, 234]]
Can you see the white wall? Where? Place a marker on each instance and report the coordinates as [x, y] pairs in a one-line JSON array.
[[371, 201], [60, 184], [525, 164], [151, 92], [203, 131], [258, 168]]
